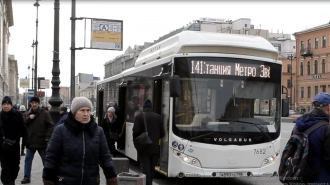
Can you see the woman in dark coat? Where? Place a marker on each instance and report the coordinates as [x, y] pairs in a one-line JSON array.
[[110, 126], [76, 150]]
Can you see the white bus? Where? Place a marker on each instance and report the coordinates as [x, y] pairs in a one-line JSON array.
[[213, 92]]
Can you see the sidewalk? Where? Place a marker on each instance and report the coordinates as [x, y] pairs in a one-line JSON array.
[[36, 173]]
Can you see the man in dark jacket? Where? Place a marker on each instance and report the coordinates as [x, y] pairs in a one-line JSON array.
[[319, 140], [40, 128], [11, 129], [155, 127]]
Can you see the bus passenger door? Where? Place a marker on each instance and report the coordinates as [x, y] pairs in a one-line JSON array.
[[100, 108], [122, 102], [161, 102]]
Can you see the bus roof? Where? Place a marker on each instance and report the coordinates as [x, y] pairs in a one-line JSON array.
[[207, 42], [202, 42]]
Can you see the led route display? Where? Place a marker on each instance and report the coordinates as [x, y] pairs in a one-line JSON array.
[[226, 68]]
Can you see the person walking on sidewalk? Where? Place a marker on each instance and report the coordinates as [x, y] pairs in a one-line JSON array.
[[40, 128], [149, 156], [22, 109], [11, 129], [76, 150]]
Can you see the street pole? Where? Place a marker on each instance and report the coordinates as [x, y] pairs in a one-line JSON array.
[[36, 4], [291, 84], [33, 44], [73, 49], [55, 101]]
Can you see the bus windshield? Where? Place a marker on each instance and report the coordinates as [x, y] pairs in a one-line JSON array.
[[229, 99]]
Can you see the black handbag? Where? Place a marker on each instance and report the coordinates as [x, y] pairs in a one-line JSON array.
[[142, 141], [113, 136]]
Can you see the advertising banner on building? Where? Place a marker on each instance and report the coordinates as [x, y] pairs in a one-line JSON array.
[[44, 84], [30, 93], [24, 83], [107, 34], [41, 93]]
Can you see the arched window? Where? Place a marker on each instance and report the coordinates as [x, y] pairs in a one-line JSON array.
[[323, 66], [315, 67], [308, 68], [301, 68]]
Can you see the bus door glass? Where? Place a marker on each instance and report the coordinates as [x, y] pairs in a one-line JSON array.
[[161, 101]]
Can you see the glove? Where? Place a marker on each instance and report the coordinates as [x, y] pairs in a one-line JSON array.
[[46, 182], [112, 181]]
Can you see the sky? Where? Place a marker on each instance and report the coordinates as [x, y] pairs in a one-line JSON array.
[[143, 21]]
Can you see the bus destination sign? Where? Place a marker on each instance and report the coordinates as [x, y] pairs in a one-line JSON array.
[[226, 68]]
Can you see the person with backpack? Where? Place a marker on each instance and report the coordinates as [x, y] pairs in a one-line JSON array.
[[306, 157]]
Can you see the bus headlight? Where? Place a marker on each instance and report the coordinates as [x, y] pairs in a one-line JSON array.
[[187, 159], [269, 160]]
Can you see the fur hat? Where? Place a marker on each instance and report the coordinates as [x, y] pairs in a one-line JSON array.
[[7, 99], [36, 99], [22, 108], [147, 104], [111, 109], [79, 102]]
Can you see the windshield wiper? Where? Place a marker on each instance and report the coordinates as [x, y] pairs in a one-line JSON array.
[[196, 137], [251, 123]]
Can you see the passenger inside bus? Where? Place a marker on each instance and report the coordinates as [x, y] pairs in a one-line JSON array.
[[237, 109]]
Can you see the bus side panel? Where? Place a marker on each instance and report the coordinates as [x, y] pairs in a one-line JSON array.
[[130, 150]]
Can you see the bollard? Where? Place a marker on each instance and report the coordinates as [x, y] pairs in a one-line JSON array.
[[121, 164], [125, 178]]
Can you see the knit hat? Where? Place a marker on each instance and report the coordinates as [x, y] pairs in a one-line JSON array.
[[7, 99], [36, 99], [147, 104], [111, 109], [22, 108], [79, 102]]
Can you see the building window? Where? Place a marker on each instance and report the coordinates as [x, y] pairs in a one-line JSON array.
[[309, 44], [289, 68], [277, 46], [294, 47], [246, 32], [289, 83], [301, 45], [308, 68], [301, 68], [245, 25], [315, 67], [308, 92], [324, 88], [316, 43], [324, 40], [316, 90], [301, 92], [323, 66]]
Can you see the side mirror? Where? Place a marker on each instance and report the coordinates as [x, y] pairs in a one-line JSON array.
[[285, 108], [175, 87]]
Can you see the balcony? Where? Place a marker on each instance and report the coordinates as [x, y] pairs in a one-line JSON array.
[[306, 52]]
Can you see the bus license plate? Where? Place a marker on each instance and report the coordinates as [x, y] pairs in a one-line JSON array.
[[231, 174]]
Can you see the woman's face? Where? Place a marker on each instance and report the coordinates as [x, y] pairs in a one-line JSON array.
[[110, 114], [83, 115]]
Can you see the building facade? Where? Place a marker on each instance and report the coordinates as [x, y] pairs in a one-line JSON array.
[[6, 21], [91, 92], [313, 63], [65, 95], [13, 80]]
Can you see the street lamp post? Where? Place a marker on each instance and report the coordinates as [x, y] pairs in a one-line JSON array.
[[33, 44], [36, 4], [291, 82], [55, 100]]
